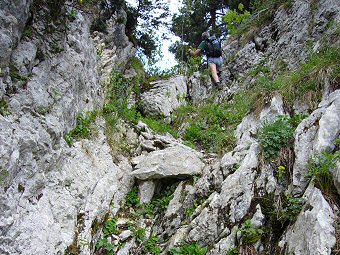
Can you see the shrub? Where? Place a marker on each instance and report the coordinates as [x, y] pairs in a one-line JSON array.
[[250, 234], [234, 18], [82, 128], [4, 111], [274, 136], [110, 227], [189, 249], [291, 208], [152, 245], [105, 246], [132, 198], [321, 167], [307, 82]]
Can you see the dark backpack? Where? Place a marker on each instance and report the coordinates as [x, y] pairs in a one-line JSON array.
[[214, 48]]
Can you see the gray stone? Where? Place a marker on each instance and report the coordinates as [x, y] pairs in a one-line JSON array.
[[237, 189], [164, 97], [23, 57], [315, 134], [313, 232], [146, 191], [178, 161], [175, 204], [336, 175], [125, 235], [225, 244]]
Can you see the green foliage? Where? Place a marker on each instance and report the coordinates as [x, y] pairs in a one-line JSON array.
[[152, 245], [321, 167], [235, 18], [307, 81], [104, 245], [281, 172], [3, 175], [189, 249], [138, 233], [291, 208], [4, 111], [210, 126], [274, 136], [132, 198], [159, 126], [82, 128], [250, 234], [110, 227], [262, 13], [233, 251]]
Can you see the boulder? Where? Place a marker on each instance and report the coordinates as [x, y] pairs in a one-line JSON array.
[[174, 162], [315, 134], [164, 97], [313, 232]]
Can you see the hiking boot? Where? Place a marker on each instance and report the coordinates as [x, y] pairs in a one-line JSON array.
[[219, 85]]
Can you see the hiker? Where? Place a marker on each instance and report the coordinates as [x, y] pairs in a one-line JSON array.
[[212, 48]]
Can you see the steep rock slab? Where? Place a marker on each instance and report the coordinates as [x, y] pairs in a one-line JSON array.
[[313, 232], [315, 134], [13, 16], [177, 161], [68, 200], [164, 97]]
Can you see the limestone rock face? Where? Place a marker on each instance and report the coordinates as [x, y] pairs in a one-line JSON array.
[[49, 191], [51, 204], [313, 232], [13, 16], [176, 161], [314, 135], [164, 97]]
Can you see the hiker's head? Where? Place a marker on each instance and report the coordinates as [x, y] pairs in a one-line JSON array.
[[205, 35]]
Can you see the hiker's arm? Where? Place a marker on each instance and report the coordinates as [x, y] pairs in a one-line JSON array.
[[195, 53]]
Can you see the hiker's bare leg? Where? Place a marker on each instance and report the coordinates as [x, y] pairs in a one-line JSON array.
[[213, 70]]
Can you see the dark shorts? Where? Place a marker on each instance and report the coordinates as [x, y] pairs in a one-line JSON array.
[[217, 61]]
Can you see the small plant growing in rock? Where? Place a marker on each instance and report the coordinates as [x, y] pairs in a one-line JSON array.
[[110, 227], [292, 208], [250, 234], [105, 246], [321, 167], [233, 251], [152, 245], [189, 249], [281, 173], [234, 18], [4, 111], [83, 127], [138, 233], [132, 198], [274, 136]]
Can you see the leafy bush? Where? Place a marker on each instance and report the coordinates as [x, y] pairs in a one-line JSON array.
[[274, 136], [104, 245], [110, 227], [250, 234], [152, 245], [4, 111], [233, 251], [307, 82], [211, 126], [234, 18], [189, 249], [82, 128], [321, 167], [262, 13], [291, 208], [132, 198]]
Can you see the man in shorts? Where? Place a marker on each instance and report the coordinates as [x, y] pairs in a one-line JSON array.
[[215, 62]]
